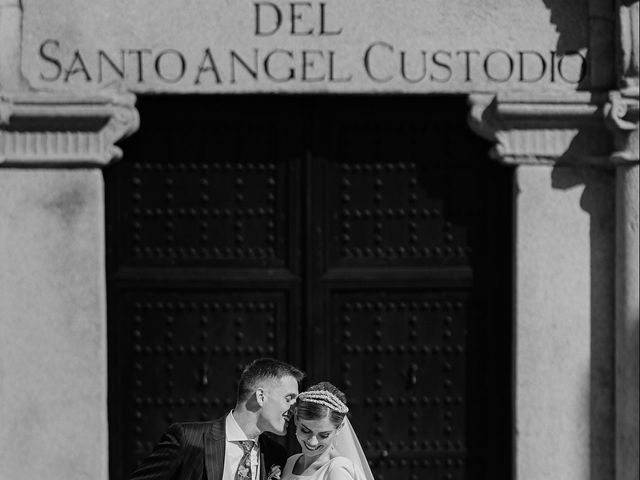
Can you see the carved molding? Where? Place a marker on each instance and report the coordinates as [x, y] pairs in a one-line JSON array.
[[543, 131], [11, 77], [628, 37], [58, 130], [622, 118]]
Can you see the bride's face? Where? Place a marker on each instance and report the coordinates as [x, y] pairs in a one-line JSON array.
[[315, 436]]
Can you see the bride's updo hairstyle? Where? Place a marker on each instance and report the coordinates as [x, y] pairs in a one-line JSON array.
[[321, 400]]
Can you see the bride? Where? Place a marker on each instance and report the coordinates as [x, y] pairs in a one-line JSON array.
[[330, 448]]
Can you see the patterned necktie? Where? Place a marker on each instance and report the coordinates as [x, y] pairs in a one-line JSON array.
[[244, 467]]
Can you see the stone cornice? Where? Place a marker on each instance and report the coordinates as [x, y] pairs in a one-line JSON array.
[[64, 130], [544, 130]]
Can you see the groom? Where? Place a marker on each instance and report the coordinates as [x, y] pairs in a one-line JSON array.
[[231, 447]]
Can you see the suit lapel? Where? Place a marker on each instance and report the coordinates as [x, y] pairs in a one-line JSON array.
[[214, 443]]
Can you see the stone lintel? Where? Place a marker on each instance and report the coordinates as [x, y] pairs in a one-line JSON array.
[[529, 130], [63, 130]]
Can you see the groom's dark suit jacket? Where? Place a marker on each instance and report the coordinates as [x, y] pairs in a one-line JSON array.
[[195, 451]]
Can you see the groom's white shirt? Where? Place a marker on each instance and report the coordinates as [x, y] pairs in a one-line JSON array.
[[233, 451]]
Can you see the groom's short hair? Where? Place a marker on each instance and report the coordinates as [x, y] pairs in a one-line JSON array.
[[262, 369]]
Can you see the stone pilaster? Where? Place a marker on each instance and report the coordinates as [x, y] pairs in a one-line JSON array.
[[53, 358], [560, 150], [622, 118], [53, 365]]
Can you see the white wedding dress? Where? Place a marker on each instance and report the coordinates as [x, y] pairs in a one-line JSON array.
[[348, 463], [338, 468]]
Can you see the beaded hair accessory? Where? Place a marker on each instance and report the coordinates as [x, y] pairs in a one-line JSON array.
[[324, 397]]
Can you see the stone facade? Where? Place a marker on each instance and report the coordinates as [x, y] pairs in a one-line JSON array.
[[66, 98]]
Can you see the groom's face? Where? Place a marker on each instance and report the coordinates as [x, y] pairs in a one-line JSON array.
[[279, 396]]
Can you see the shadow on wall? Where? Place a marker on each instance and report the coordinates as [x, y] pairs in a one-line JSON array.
[[598, 201], [586, 164], [571, 20]]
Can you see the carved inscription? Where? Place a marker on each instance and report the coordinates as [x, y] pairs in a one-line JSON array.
[[323, 60]]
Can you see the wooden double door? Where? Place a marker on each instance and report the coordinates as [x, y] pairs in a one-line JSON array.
[[363, 239]]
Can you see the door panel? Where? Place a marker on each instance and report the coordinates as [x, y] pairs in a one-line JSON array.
[[402, 350], [364, 239], [186, 350], [212, 192], [400, 226], [381, 209]]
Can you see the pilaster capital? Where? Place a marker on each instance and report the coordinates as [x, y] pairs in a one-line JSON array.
[[542, 130], [621, 113], [42, 129]]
